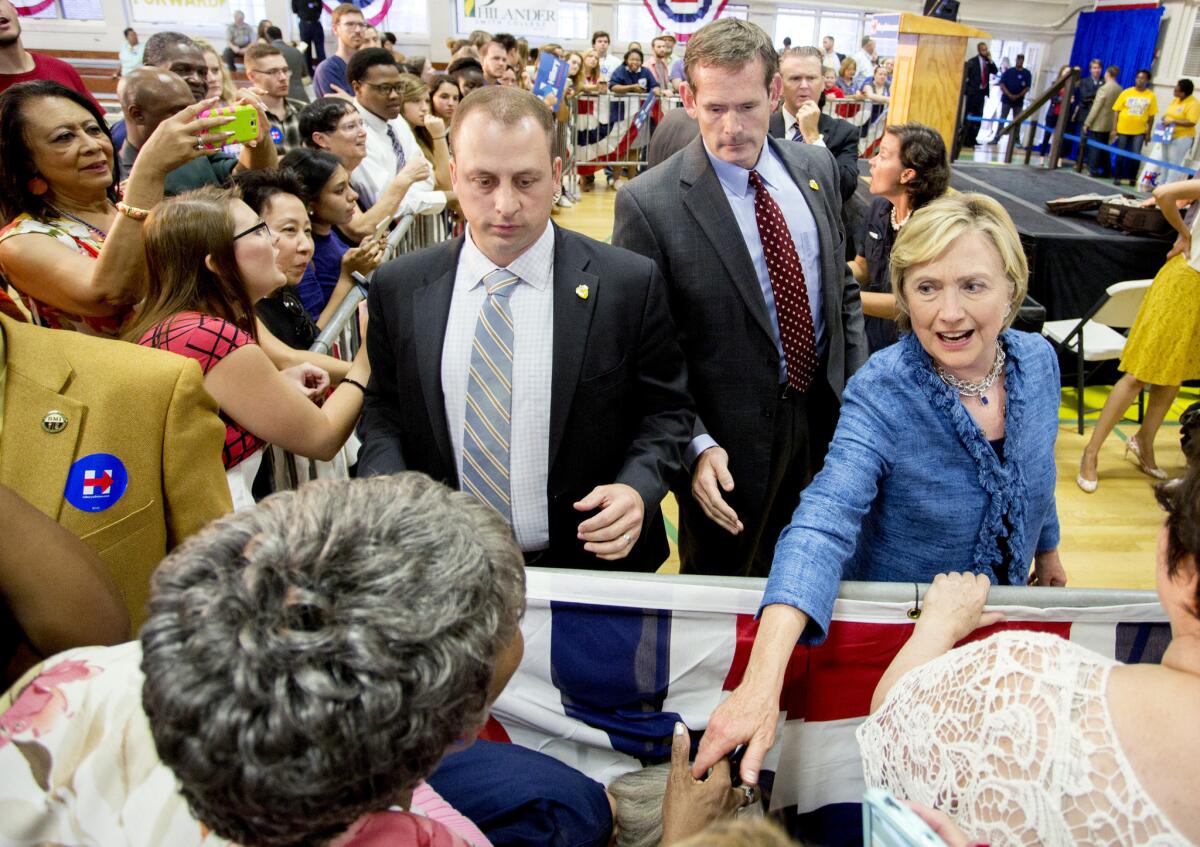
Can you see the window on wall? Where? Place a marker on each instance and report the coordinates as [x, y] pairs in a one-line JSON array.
[[71, 10], [796, 25], [573, 19], [634, 22], [806, 28]]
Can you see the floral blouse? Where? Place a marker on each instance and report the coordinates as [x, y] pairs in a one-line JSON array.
[[81, 239], [79, 767]]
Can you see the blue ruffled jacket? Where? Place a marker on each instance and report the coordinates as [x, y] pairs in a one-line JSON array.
[[911, 488]]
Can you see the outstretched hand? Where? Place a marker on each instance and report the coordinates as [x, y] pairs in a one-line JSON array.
[[691, 804]]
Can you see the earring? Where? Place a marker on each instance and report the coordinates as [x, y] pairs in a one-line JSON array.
[[37, 186]]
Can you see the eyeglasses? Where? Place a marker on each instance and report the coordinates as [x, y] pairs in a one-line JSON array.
[[352, 25], [386, 87], [355, 127], [273, 72], [259, 228]]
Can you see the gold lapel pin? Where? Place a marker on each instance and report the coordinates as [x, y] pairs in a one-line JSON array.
[[582, 292], [812, 183], [54, 422]]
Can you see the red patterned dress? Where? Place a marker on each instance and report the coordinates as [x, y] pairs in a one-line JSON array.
[[208, 340]]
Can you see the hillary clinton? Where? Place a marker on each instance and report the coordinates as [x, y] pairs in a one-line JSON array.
[[943, 457]]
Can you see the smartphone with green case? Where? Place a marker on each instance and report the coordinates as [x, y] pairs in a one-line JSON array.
[[243, 123]]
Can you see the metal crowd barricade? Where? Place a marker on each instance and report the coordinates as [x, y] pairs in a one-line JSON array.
[[611, 130], [341, 338], [859, 113]]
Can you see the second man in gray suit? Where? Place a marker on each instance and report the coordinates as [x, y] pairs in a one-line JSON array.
[[747, 232]]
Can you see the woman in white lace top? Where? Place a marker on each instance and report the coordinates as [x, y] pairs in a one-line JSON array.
[[1027, 738]]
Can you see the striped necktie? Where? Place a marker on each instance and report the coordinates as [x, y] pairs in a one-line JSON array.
[[797, 135], [488, 420], [397, 148]]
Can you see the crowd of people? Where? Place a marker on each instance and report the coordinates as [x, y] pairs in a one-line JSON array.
[[311, 667]]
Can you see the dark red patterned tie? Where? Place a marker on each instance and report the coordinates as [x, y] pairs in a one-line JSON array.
[[787, 284]]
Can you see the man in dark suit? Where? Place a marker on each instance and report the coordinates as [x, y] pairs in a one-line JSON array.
[[746, 230], [977, 76], [799, 116], [534, 367]]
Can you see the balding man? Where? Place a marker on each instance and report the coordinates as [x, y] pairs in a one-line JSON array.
[[152, 95]]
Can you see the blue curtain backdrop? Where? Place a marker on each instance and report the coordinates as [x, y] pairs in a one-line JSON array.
[[1123, 38]]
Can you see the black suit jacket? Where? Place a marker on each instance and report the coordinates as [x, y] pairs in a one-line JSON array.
[[841, 137], [678, 215], [619, 407], [974, 82]]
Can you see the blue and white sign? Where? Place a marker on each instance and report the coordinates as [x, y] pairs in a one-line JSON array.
[[551, 76], [684, 17], [96, 482]]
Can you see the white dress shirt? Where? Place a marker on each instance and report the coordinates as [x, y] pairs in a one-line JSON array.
[[379, 167], [609, 64], [532, 307], [789, 127]]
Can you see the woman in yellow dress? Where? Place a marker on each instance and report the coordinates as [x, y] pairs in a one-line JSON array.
[[1163, 349]]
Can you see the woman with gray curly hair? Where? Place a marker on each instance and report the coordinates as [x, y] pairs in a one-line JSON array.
[[304, 665]]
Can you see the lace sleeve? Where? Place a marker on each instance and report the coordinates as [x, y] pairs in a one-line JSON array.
[[1011, 736]]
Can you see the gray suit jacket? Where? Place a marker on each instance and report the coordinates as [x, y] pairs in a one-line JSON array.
[[678, 215]]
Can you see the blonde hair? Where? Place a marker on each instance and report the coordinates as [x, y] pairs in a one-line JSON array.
[[847, 63], [228, 89], [739, 833], [932, 230]]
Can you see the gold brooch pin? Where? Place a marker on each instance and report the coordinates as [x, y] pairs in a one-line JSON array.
[[812, 183], [582, 292]]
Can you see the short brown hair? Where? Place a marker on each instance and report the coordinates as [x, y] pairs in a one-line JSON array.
[[730, 44], [343, 9], [258, 51], [507, 105]]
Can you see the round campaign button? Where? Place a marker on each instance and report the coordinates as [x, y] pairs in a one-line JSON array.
[[276, 135], [96, 482]]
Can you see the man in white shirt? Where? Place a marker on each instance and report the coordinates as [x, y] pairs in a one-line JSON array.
[[373, 75], [608, 64], [535, 368], [865, 58], [130, 53], [830, 58]]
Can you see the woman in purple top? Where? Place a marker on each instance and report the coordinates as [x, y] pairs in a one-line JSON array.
[[331, 204]]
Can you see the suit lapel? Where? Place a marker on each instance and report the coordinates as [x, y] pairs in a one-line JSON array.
[[431, 310], [33, 461], [775, 127], [572, 321], [705, 199], [830, 276]]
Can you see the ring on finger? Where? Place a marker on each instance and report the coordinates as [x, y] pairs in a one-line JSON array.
[[626, 538], [199, 143], [749, 794]]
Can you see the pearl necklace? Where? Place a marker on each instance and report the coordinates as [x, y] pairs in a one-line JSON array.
[[897, 224], [976, 388]]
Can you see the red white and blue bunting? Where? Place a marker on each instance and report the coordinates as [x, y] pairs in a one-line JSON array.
[[373, 10], [681, 18]]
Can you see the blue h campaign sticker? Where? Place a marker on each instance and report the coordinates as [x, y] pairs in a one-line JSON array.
[[96, 482], [276, 135]]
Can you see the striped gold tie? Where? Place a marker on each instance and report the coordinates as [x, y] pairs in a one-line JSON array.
[[488, 420]]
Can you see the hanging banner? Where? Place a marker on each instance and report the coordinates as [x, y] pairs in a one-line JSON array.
[[29, 8], [180, 13], [681, 18], [517, 17], [373, 11]]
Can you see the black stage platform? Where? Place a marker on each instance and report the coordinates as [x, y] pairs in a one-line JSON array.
[[1071, 259]]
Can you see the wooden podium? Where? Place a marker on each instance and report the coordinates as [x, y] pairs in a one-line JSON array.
[[938, 48]]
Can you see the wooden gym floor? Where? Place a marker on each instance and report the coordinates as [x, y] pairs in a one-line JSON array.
[[1108, 538]]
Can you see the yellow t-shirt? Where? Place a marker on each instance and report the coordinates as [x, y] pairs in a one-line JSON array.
[[1135, 109], [1187, 109]]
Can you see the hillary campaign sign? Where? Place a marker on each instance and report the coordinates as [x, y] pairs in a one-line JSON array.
[[684, 17], [96, 482], [612, 662]]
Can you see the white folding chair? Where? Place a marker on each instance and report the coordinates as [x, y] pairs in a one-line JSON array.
[[1094, 337]]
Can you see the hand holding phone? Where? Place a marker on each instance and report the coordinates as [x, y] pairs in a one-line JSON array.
[[889, 823], [243, 122]]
